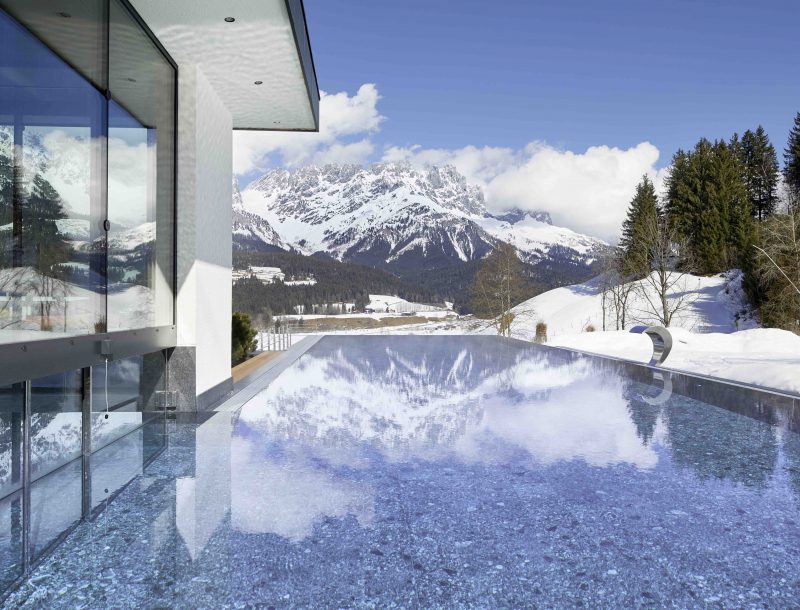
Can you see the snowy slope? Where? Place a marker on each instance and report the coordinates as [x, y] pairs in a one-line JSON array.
[[713, 304], [128, 240], [394, 214], [716, 335]]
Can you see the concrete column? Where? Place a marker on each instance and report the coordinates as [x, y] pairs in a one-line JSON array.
[[200, 367]]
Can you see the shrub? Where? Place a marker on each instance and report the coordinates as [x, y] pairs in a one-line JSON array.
[[242, 337], [589, 328], [541, 333]]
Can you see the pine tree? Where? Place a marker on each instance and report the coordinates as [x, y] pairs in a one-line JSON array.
[[729, 195], [687, 193], [791, 161], [45, 247], [708, 204], [642, 211], [760, 171]]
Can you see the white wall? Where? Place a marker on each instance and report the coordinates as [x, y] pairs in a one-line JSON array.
[[204, 227]]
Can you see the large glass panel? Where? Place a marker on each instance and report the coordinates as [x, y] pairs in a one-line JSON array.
[[121, 391], [56, 421], [56, 503], [75, 29], [52, 124], [11, 555], [11, 414], [140, 177]]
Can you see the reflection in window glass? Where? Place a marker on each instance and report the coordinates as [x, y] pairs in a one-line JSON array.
[[56, 501], [51, 208], [115, 403], [140, 177], [11, 556], [132, 387], [75, 29], [115, 465], [11, 412], [56, 420]]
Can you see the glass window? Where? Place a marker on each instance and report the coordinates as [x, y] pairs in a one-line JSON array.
[[56, 420], [71, 158], [11, 414], [11, 550], [56, 504], [118, 403], [75, 29], [12, 400], [52, 124], [140, 177]]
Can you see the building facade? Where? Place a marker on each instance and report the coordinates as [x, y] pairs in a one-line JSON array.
[[116, 122]]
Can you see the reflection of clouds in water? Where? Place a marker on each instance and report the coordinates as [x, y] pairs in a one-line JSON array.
[[576, 422], [554, 410], [288, 495]]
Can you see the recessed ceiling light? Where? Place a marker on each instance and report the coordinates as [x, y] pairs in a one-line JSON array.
[[230, 19], [259, 82], [64, 15]]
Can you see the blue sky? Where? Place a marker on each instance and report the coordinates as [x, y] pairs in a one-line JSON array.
[[559, 106], [573, 73]]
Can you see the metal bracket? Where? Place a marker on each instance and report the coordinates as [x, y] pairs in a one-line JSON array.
[[107, 348]]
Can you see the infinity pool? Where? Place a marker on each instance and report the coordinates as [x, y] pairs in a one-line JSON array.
[[453, 472]]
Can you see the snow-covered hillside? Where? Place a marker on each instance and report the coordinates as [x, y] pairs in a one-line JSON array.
[[394, 214], [716, 334], [711, 304]]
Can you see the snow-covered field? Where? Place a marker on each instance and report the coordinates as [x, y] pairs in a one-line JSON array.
[[382, 306], [715, 334]]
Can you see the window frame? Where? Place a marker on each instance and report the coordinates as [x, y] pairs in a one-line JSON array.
[[49, 355]]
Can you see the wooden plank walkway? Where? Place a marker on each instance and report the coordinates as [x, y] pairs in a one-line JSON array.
[[240, 371]]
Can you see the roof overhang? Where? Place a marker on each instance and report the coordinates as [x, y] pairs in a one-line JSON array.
[[267, 43]]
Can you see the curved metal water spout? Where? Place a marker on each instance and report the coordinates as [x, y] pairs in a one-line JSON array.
[[662, 342]]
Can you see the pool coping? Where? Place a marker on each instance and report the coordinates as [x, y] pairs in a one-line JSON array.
[[692, 374], [247, 387]]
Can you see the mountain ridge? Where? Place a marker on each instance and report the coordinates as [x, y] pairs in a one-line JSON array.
[[397, 217]]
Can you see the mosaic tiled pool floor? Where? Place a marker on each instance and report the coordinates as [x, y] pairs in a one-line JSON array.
[[449, 472]]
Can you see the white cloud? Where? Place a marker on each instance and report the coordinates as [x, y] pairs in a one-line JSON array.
[[479, 165], [354, 152], [342, 116], [588, 192]]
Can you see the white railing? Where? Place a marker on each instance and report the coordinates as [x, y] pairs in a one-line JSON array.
[[275, 339]]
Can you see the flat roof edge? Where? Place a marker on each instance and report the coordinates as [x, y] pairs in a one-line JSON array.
[[297, 17]]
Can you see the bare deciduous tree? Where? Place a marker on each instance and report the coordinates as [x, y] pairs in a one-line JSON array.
[[499, 285], [617, 285], [663, 292]]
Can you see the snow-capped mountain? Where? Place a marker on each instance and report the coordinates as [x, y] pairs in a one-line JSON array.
[[399, 217], [251, 231]]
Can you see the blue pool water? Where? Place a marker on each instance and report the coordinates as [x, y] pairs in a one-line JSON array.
[[453, 472]]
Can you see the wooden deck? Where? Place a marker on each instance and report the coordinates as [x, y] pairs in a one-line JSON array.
[[240, 371]]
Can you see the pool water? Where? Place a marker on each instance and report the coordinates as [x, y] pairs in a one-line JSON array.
[[453, 472]]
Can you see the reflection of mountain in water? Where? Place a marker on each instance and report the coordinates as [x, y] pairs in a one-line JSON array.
[[474, 398]]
